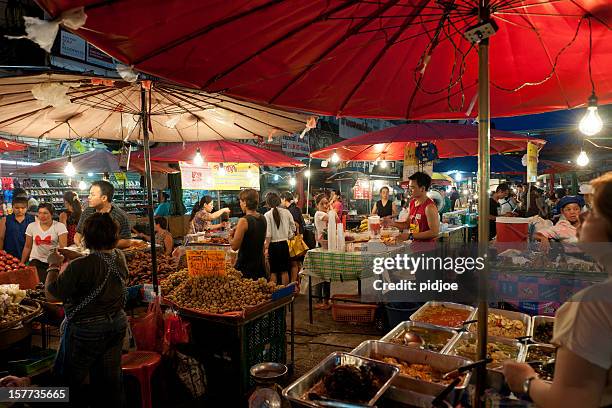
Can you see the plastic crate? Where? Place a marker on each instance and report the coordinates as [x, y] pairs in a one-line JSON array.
[[351, 312], [39, 360]]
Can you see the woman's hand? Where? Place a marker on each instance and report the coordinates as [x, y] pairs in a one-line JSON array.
[[226, 210], [55, 259], [516, 374]]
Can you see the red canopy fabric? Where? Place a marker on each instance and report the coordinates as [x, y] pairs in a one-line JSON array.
[[451, 139], [382, 59], [222, 151], [11, 146]]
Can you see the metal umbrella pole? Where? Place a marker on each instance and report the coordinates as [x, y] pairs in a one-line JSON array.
[[149, 182], [484, 166], [308, 186]]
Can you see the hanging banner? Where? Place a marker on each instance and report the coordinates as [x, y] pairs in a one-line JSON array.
[[532, 162], [411, 164], [237, 176]]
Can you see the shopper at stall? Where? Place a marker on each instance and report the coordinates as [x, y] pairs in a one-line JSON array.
[[43, 237], [280, 227], [100, 200], [501, 192], [288, 202], [163, 237], [565, 229], [32, 202], [384, 207], [336, 202], [583, 327], [13, 227], [202, 220], [322, 290], [70, 218], [93, 290], [248, 238], [164, 206], [454, 197]]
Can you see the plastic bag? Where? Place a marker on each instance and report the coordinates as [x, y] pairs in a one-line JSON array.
[[148, 331], [191, 373], [176, 331]]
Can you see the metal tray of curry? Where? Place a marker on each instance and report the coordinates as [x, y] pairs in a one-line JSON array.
[[505, 323], [436, 338], [444, 314]]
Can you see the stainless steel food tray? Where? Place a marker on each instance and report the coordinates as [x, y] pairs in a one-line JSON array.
[[403, 326], [526, 319], [520, 347], [537, 320], [530, 346], [414, 317], [444, 363], [296, 392]]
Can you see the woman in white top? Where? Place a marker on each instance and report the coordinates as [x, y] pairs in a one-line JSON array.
[[280, 227], [43, 237], [583, 326], [323, 289]]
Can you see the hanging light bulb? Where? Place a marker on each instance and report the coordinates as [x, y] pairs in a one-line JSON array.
[[292, 181], [82, 185], [198, 160], [335, 158], [90, 174], [591, 123], [69, 170], [458, 176], [383, 164], [221, 169], [307, 174], [582, 159]]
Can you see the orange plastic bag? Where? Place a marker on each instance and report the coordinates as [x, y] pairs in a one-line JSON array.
[[148, 331]]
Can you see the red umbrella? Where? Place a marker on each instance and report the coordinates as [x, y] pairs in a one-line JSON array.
[[223, 151], [451, 140], [11, 146], [384, 59]]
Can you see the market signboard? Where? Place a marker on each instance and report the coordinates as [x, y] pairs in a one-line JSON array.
[[532, 162], [234, 177], [206, 263]]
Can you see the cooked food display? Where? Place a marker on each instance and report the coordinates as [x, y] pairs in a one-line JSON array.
[[423, 372], [434, 340], [499, 352], [541, 359], [346, 383], [501, 326], [442, 315], [543, 332], [12, 309]]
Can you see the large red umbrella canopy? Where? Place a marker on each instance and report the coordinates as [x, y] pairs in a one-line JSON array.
[[451, 140], [11, 146], [383, 59], [222, 151]]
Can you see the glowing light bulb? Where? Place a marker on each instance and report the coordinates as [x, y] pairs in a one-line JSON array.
[[582, 159], [82, 185], [221, 169], [292, 181], [69, 170], [249, 173], [335, 158], [198, 160], [383, 164], [90, 174], [458, 176], [591, 123], [307, 174]]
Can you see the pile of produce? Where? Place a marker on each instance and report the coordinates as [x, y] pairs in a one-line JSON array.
[[363, 226], [139, 267], [9, 263], [219, 294], [11, 311]]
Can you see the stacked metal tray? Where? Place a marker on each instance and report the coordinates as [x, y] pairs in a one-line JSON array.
[[535, 322], [418, 328], [415, 317], [524, 318]]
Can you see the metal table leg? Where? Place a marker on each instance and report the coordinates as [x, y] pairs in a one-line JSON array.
[[359, 287], [310, 298]]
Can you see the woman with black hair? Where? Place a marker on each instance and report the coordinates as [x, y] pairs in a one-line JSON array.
[[70, 218], [249, 236], [280, 227], [93, 291], [202, 219]]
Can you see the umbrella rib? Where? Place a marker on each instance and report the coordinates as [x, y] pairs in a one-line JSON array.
[[376, 60], [204, 30], [335, 45], [321, 17], [588, 13], [221, 150], [245, 129]]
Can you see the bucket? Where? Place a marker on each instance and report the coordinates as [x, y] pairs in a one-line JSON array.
[[400, 312], [512, 229]]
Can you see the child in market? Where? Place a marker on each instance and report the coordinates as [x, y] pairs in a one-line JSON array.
[[13, 227], [322, 290]]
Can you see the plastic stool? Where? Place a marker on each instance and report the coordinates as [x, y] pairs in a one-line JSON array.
[[141, 365]]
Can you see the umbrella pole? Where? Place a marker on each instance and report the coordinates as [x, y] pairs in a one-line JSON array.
[[484, 166], [149, 183], [308, 187]]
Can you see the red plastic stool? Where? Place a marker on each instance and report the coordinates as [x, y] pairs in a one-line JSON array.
[[142, 365]]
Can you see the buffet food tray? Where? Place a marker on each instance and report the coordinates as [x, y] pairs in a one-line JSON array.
[[297, 391], [535, 322], [509, 314], [450, 305], [404, 326], [550, 347], [444, 363]]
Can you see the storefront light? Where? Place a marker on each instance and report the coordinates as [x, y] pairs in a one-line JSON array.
[[591, 122], [198, 160], [307, 174], [582, 159], [69, 170]]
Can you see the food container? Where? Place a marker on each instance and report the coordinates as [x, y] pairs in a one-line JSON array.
[[374, 226], [511, 229], [444, 363], [546, 348], [298, 390], [524, 318], [535, 322], [425, 331], [517, 347], [416, 316]]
